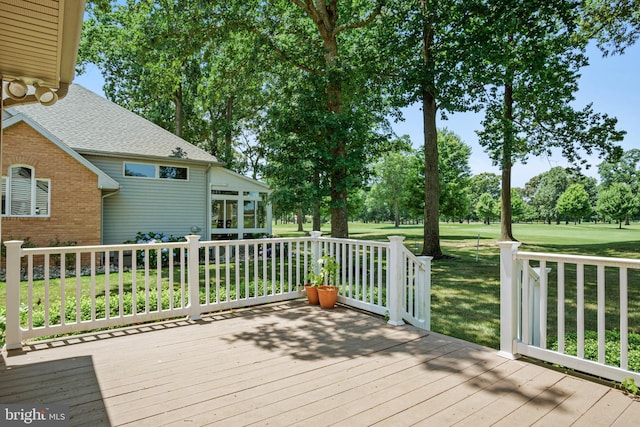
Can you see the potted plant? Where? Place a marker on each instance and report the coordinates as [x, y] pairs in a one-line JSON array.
[[311, 287], [328, 291]]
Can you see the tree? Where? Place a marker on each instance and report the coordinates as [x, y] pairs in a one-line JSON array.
[[181, 66], [551, 186], [486, 182], [426, 52], [454, 173], [574, 202], [614, 24], [625, 170], [532, 63], [616, 202], [391, 179], [486, 208]]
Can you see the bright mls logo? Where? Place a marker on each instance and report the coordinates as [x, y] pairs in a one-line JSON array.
[[34, 415]]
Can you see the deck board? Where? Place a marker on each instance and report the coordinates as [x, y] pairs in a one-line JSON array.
[[291, 364]]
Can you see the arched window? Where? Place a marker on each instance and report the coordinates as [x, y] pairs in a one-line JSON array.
[[23, 194]]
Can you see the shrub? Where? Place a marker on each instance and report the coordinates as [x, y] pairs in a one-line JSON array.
[[153, 237]]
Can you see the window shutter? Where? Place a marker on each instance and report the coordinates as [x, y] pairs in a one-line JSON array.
[[4, 195], [20, 203], [42, 197]]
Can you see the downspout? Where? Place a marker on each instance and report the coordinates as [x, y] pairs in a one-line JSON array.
[[207, 197], [104, 196]]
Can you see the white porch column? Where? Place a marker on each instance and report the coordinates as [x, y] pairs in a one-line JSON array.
[[13, 338], [508, 298], [193, 281], [396, 285]]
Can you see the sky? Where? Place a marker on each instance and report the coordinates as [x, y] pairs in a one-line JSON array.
[[612, 84]]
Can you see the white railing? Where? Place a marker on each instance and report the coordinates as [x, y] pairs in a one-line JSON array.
[[535, 287], [62, 290], [368, 270]]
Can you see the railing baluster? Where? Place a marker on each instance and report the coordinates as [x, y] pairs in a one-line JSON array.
[[624, 319], [30, 290], [543, 304], [120, 283], [63, 297], [78, 288], [601, 315], [580, 308], [561, 321]]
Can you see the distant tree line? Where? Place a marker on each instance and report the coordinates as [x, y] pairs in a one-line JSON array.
[[557, 196]]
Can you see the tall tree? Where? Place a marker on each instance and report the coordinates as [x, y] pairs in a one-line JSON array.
[[428, 56], [532, 68], [614, 24], [327, 42], [180, 64]]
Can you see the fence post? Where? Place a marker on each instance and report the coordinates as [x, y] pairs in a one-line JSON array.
[[193, 278], [508, 295], [13, 335], [425, 291], [316, 251], [396, 285]]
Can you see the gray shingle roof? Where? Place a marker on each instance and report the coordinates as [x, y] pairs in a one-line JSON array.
[[89, 123]]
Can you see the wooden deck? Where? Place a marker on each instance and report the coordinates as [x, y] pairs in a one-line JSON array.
[[291, 364]]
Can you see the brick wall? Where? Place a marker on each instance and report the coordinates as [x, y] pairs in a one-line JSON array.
[[75, 197]]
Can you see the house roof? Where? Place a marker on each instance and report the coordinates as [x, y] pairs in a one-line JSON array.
[[105, 182], [91, 124], [39, 40]]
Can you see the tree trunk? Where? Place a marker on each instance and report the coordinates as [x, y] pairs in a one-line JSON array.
[[431, 243], [506, 233], [338, 174], [228, 148], [177, 96], [396, 210], [300, 218]]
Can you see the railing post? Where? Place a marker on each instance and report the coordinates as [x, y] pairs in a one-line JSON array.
[[425, 291], [193, 278], [13, 336], [316, 252], [396, 285], [508, 294]]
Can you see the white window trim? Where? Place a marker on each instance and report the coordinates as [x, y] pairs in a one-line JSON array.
[[157, 171], [33, 190]]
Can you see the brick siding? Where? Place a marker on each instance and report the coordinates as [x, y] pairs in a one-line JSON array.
[[75, 198]]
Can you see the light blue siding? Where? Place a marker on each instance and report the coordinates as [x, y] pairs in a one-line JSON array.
[[167, 206]]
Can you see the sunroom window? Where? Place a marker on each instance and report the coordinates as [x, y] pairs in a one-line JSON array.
[[23, 194]]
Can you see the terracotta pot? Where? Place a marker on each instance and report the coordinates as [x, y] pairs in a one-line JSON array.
[[312, 294], [328, 296]]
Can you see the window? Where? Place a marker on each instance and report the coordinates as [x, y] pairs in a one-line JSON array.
[[254, 210], [23, 194], [147, 170]]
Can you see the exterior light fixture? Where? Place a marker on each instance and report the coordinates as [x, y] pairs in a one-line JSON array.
[[45, 95], [17, 90]]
